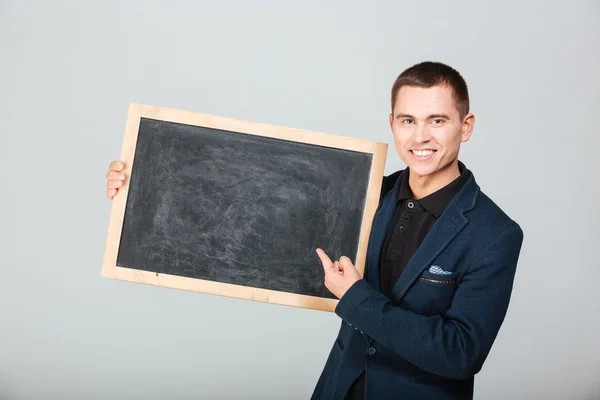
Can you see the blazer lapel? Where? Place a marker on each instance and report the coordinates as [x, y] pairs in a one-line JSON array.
[[448, 225], [381, 222]]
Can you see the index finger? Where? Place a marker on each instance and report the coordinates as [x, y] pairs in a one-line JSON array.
[[116, 166], [325, 260]]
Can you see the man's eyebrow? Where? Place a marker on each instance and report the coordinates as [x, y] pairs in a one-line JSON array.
[[444, 116], [432, 116], [400, 115]]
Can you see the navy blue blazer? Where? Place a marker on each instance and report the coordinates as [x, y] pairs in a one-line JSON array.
[[432, 335]]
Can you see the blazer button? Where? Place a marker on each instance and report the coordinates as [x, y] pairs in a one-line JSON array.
[[371, 351]]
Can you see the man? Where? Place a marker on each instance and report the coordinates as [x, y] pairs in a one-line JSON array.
[[440, 263]]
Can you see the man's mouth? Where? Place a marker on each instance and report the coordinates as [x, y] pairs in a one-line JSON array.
[[423, 154]]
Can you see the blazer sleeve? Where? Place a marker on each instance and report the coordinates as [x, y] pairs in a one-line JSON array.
[[454, 345]]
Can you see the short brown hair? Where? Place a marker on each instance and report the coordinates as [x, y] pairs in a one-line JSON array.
[[428, 74]]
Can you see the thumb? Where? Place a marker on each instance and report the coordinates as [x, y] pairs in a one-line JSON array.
[[345, 262]]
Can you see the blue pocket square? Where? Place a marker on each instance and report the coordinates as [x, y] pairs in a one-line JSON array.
[[435, 269]]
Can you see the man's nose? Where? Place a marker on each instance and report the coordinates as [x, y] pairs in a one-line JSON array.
[[422, 133]]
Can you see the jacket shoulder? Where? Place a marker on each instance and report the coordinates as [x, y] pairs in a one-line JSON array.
[[491, 216]]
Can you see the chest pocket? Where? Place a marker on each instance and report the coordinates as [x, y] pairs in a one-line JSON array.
[[431, 293]]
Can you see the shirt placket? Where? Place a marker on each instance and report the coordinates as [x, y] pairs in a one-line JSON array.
[[398, 239]]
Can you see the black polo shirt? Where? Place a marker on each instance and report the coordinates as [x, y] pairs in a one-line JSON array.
[[411, 222]]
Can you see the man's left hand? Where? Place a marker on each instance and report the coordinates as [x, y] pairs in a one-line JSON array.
[[339, 275]]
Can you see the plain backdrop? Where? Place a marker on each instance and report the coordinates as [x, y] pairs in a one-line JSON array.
[[68, 70]]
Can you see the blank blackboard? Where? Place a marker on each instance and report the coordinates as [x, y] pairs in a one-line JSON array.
[[237, 208]]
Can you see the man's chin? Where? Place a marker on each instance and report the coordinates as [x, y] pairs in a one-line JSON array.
[[422, 170], [425, 168]]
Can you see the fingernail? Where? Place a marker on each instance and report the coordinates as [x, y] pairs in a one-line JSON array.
[[122, 176]]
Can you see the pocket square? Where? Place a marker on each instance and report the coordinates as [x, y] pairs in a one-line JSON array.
[[435, 269]]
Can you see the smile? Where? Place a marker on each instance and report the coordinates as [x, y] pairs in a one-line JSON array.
[[422, 154]]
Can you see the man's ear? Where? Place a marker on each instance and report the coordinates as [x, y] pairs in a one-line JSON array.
[[467, 127], [391, 121]]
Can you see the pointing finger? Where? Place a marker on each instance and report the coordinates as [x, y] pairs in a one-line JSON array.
[[325, 260]]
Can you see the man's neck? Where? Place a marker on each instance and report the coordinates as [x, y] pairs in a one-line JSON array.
[[423, 186]]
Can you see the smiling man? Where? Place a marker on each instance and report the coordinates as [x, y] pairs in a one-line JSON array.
[[440, 265]]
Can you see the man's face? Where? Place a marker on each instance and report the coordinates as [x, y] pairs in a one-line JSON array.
[[428, 129]]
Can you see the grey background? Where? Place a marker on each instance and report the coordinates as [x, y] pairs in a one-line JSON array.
[[68, 70]]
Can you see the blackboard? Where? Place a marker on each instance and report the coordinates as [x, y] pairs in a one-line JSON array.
[[237, 208]]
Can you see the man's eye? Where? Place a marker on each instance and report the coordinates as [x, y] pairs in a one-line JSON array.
[[437, 121], [407, 121]]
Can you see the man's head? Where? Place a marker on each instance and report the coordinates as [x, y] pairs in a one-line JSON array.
[[430, 117]]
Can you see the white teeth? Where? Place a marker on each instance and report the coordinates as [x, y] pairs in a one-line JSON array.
[[422, 153]]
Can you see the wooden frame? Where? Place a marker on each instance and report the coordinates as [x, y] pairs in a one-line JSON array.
[[138, 111]]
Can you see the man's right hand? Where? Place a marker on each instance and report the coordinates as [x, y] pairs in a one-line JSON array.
[[115, 179]]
